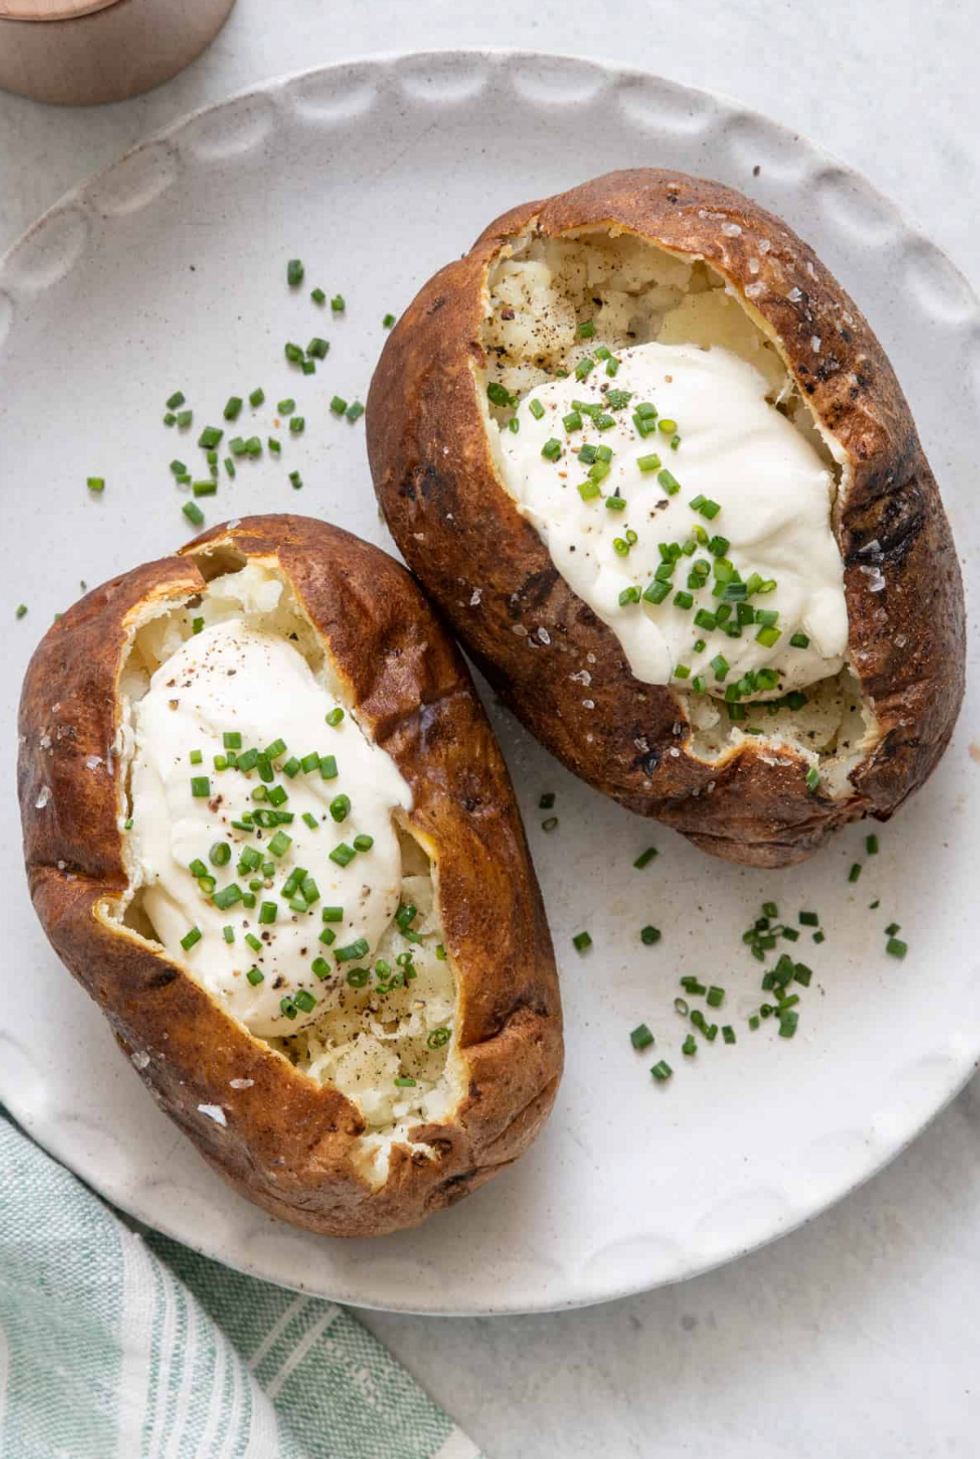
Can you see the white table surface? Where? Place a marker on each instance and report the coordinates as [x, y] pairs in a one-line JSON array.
[[856, 1337]]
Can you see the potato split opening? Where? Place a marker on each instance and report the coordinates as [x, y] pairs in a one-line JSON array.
[[539, 291], [365, 1040]]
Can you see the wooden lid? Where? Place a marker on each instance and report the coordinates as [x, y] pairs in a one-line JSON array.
[[51, 9]]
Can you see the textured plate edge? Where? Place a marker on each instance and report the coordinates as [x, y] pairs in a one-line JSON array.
[[909, 234]]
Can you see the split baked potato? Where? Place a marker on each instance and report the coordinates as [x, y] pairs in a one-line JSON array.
[[772, 643], [268, 828]]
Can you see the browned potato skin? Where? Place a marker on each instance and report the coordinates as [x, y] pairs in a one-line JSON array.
[[459, 530], [287, 1140]]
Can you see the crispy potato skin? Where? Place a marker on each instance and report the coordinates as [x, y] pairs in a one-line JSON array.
[[287, 1141], [459, 530]]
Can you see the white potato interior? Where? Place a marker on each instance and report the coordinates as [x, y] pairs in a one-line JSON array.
[[367, 1039], [634, 292]]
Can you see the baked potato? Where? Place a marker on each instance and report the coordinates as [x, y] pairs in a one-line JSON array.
[[268, 828], [653, 466]]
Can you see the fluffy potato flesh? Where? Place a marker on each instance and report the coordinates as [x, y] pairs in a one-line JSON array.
[[539, 291], [365, 1040]]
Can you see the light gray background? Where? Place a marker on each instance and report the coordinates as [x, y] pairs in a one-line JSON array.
[[857, 1337]]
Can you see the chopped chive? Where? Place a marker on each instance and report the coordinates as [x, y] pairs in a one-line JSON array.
[[388, 321], [233, 408], [176, 400], [787, 1023], [896, 947], [854, 872], [641, 1037], [343, 854], [95, 483], [716, 996], [193, 513], [582, 941], [338, 304], [297, 424], [689, 1046], [280, 843], [572, 421], [812, 778], [191, 937], [871, 845], [645, 857], [809, 919], [551, 449], [355, 410], [295, 272], [649, 935], [669, 482], [340, 807], [536, 409], [335, 716]]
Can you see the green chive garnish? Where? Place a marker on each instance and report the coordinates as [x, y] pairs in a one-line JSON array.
[[190, 938], [641, 1037], [582, 941], [295, 272], [650, 935]]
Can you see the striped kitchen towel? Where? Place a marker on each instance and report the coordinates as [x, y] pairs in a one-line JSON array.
[[116, 1346]]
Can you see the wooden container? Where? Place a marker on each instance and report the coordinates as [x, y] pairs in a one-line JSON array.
[[83, 52]]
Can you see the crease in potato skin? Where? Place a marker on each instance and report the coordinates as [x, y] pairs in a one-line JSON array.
[[436, 483], [287, 1142]]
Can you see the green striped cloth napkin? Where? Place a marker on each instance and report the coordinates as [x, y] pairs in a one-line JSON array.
[[118, 1346]]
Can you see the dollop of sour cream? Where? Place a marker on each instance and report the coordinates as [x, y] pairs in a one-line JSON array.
[[234, 679], [737, 452]]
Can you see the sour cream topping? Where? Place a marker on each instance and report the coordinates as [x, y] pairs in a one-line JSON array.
[[232, 678], [736, 451]]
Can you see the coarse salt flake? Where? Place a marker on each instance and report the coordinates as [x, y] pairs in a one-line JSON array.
[[213, 1112]]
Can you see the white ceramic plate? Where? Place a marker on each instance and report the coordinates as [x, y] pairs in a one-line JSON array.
[[167, 271]]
